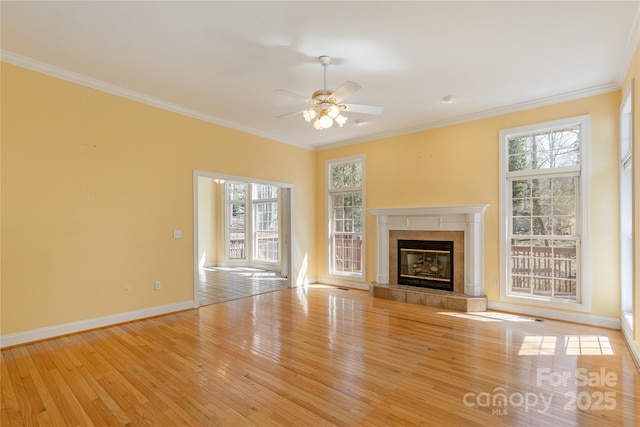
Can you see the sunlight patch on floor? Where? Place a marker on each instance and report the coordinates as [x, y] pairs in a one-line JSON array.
[[573, 345], [488, 316]]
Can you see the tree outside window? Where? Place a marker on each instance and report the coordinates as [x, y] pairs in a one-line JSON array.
[[543, 208], [345, 187]]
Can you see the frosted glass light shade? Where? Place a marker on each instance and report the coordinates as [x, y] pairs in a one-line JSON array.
[[333, 111], [326, 121], [309, 114]]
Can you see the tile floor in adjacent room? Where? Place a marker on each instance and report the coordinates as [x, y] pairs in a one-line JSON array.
[[219, 284]]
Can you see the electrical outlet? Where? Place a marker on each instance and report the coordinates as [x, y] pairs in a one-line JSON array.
[[496, 281], [156, 285], [126, 289]]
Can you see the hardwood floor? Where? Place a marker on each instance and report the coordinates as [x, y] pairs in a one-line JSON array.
[[324, 356], [219, 284]]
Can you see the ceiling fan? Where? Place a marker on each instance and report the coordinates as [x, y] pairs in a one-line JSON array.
[[327, 106]]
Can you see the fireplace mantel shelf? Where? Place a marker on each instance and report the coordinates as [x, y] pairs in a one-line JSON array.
[[466, 218], [429, 210]]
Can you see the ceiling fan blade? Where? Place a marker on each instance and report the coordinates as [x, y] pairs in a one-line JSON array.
[[290, 114], [365, 109], [345, 90], [295, 95]]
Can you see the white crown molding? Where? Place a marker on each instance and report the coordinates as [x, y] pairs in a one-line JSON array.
[[567, 316], [41, 67], [70, 76], [528, 105], [84, 325]]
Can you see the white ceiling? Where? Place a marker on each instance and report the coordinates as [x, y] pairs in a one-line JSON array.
[[221, 61]]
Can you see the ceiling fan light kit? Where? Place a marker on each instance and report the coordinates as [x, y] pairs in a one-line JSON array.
[[327, 109], [325, 114]]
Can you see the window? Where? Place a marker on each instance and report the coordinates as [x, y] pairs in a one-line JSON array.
[[626, 210], [236, 195], [345, 205], [252, 222], [543, 212], [265, 223]]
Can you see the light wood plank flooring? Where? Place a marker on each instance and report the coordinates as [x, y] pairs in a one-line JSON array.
[[324, 356], [219, 284]]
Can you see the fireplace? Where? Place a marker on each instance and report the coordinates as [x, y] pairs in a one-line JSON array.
[[426, 263], [466, 219]]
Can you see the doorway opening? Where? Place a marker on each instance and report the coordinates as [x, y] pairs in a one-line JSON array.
[[242, 236]]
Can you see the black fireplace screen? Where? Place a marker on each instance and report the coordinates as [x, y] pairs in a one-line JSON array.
[[426, 263]]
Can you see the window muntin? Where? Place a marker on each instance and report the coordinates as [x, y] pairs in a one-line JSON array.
[[543, 202], [347, 233], [346, 248], [545, 263], [236, 194], [266, 230], [264, 192], [544, 206], [345, 175], [545, 150]]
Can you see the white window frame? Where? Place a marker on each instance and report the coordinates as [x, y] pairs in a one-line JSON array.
[[626, 208], [254, 228], [583, 302], [227, 223], [329, 204]]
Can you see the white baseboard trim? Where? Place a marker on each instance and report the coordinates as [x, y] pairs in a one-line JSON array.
[[304, 281], [84, 325], [343, 283], [587, 319], [627, 334]]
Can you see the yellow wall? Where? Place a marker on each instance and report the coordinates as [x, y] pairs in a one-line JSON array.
[[459, 165], [207, 219], [93, 186]]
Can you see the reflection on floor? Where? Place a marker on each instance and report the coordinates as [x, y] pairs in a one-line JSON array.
[[219, 284]]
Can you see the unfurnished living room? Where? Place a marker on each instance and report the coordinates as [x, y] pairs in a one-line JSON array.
[[309, 213]]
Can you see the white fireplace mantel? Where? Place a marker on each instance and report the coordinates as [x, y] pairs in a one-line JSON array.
[[466, 218]]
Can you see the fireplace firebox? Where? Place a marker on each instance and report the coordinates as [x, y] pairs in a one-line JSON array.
[[426, 263]]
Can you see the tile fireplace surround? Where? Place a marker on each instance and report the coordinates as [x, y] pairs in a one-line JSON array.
[[465, 218]]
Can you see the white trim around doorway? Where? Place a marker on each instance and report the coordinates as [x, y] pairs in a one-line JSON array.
[[287, 223]]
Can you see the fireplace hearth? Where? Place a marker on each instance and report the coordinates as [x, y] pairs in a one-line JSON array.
[[426, 263]]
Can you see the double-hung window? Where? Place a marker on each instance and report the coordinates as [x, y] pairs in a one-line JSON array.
[[345, 184], [543, 212], [252, 222], [266, 245], [236, 220]]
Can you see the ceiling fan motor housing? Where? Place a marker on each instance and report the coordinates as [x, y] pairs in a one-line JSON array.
[[321, 95]]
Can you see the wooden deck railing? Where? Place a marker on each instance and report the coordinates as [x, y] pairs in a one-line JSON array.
[[348, 253], [547, 271], [237, 247]]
